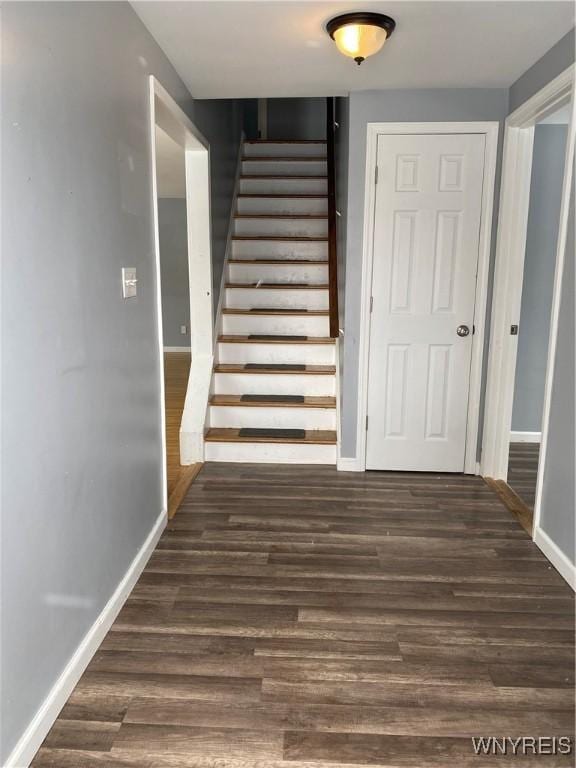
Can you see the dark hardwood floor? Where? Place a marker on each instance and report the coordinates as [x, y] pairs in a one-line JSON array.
[[300, 617], [523, 470]]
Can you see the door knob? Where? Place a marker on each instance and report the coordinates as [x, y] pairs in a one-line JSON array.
[[463, 330]]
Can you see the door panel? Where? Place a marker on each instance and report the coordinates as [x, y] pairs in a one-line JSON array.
[[426, 239]]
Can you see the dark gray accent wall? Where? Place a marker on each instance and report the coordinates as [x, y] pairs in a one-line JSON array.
[[441, 105], [81, 440], [303, 118], [554, 61], [539, 268], [342, 141], [557, 518], [174, 271], [220, 120]]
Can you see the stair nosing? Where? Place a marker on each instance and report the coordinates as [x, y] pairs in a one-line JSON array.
[[238, 368], [281, 176], [271, 404], [278, 441], [280, 196], [275, 311], [229, 338], [254, 262], [285, 141], [285, 159], [278, 286], [282, 238], [280, 215]]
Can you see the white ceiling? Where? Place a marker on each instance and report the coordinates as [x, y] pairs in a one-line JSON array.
[[170, 170], [247, 49]]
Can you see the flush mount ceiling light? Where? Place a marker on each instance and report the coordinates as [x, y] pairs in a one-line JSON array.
[[360, 35]]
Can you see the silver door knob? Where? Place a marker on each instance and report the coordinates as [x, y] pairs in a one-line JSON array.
[[463, 330]]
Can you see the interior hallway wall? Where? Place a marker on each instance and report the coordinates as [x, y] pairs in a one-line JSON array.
[[303, 118], [539, 269], [80, 385], [174, 277]]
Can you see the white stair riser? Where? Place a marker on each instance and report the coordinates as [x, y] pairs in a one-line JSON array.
[[312, 325], [284, 168], [280, 273], [290, 205], [278, 249], [272, 418], [274, 384], [288, 298], [285, 149], [284, 186], [270, 453], [305, 227], [313, 354]]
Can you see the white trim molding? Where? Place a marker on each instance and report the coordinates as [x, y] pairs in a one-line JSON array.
[[525, 437], [490, 130], [166, 113], [563, 565], [35, 733], [508, 273]]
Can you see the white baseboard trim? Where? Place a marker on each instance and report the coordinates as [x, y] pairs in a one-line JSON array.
[[525, 437], [30, 741], [177, 349], [565, 568], [348, 465]]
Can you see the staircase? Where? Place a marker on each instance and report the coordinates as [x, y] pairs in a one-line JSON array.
[[274, 383]]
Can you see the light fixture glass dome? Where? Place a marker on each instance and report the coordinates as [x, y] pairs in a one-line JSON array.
[[359, 35]]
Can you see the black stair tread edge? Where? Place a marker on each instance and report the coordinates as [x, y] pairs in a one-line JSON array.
[[272, 262], [274, 366], [272, 398], [285, 158], [292, 434], [280, 196], [283, 176], [275, 311], [282, 238], [274, 336], [285, 141], [280, 215], [280, 286]]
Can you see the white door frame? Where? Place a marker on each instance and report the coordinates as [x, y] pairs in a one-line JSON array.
[[490, 130], [509, 273], [166, 113]]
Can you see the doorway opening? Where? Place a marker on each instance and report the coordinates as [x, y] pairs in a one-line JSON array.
[[550, 137], [181, 205], [533, 227]]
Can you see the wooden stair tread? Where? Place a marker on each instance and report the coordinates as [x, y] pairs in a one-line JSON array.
[[228, 338], [280, 196], [279, 262], [306, 370], [286, 158], [276, 311], [281, 286], [309, 401], [282, 238], [284, 141], [229, 435], [281, 176], [281, 216]]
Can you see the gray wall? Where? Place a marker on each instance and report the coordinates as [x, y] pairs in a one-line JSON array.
[[174, 271], [297, 118], [538, 283], [394, 105], [555, 61], [80, 397], [558, 498]]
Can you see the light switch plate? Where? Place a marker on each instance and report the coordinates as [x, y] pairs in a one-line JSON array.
[[129, 282]]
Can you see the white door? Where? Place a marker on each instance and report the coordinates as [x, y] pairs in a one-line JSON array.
[[426, 238]]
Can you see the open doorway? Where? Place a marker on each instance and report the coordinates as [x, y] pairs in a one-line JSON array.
[[181, 197], [175, 291], [550, 136], [528, 288]]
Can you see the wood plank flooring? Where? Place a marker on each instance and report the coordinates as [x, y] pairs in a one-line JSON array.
[[176, 372], [523, 470], [296, 617]]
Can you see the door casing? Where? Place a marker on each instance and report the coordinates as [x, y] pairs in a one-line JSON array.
[[490, 130]]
